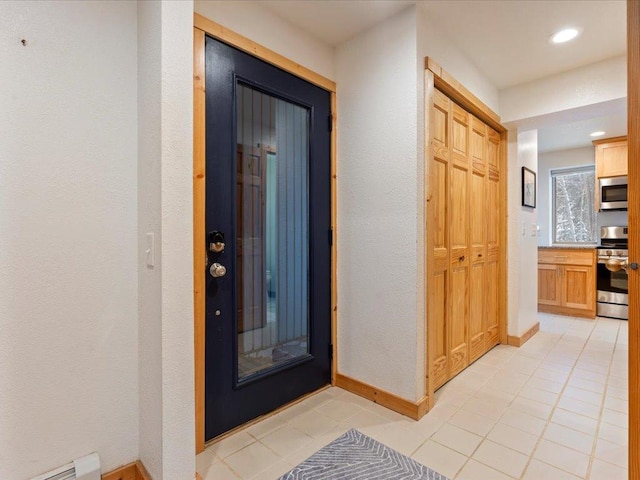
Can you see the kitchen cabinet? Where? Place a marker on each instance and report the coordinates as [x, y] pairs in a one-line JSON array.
[[611, 157], [567, 281]]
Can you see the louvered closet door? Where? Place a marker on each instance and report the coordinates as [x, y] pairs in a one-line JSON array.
[[478, 232], [441, 124], [492, 200], [459, 180]]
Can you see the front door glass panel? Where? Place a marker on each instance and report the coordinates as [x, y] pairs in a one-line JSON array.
[[272, 229]]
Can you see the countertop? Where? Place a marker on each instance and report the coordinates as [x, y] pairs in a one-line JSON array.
[[572, 247]]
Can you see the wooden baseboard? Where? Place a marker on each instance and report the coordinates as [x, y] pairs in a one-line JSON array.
[[522, 339], [132, 471], [127, 472], [398, 404]]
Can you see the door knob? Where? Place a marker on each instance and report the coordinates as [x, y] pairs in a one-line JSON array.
[[216, 270]]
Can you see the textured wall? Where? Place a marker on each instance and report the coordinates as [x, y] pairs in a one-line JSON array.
[[166, 208], [377, 206], [434, 43], [68, 286], [266, 28]]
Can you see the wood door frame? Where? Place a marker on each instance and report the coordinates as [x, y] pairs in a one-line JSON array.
[[202, 27], [633, 137], [436, 77]]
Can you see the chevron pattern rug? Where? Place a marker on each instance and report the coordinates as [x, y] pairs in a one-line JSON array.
[[356, 456]]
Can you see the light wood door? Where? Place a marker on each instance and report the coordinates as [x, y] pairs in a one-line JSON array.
[[478, 237], [492, 220], [459, 181], [464, 228], [578, 286], [438, 299], [549, 292]]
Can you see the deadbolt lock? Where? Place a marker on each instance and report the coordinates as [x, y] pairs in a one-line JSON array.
[[216, 241]]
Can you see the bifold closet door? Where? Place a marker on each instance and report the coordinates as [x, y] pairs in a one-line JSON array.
[[465, 198], [459, 182]]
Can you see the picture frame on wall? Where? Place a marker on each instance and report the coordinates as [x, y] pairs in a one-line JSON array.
[[528, 188]]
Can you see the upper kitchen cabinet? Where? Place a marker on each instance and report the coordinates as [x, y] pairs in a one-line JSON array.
[[611, 157]]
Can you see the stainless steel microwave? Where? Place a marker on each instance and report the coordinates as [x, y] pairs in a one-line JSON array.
[[613, 193]]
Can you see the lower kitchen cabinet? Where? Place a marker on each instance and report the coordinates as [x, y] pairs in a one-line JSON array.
[[567, 281]]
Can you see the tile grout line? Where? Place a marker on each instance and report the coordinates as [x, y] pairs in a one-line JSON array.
[[604, 397], [485, 437], [553, 409]]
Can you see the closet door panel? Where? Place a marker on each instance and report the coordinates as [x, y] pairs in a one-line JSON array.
[[478, 238], [438, 197], [459, 240]]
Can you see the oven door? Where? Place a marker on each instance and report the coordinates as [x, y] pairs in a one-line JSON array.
[[613, 293]]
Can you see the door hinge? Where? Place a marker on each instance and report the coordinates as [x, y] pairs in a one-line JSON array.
[[331, 123], [331, 351], [331, 236]]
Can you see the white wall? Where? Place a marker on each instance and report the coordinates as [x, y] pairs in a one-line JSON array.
[[165, 138], [261, 25], [522, 236], [68, 286], [432, 42], [600, 82], [377, 207]]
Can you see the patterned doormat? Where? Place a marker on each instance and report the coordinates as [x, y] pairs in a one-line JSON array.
[[356, 456]]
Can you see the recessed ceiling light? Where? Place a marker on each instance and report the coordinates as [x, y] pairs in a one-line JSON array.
[[564, 35], [599, 133]]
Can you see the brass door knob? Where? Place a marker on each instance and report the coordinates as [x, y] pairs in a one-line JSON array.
[[216, 270]]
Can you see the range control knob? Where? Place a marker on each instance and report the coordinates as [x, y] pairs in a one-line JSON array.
[[609, 252], [619, 253]]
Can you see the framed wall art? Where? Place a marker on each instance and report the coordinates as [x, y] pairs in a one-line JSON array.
[[528, 188]]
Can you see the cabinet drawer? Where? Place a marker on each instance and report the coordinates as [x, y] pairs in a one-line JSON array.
[[560, 256]]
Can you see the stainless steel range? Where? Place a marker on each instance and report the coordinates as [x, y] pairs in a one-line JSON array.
[[612, 278]]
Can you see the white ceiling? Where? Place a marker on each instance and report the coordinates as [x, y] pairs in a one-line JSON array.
[[506, 39]]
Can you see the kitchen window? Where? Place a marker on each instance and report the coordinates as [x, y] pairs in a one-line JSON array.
[[574, 213]]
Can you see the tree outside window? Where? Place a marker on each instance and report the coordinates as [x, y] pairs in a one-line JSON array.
[[574, 213]]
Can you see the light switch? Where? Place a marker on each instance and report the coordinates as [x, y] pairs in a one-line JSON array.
[[534, 230], [150, 250], [524, 229]]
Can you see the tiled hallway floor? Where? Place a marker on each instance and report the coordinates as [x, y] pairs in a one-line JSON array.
[[555, 408]]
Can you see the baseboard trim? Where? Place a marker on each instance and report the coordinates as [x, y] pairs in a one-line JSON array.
[[133, 471], [415, 410], [522, 339]]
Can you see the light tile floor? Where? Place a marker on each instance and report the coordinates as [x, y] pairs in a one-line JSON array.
[[556, 408]]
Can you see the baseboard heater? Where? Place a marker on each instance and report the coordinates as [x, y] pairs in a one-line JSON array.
[[84, 468]]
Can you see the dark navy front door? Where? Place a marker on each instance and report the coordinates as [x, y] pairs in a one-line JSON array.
[[268, 204]]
